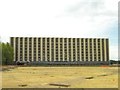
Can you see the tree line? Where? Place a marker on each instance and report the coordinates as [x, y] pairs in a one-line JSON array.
[[7, 53]]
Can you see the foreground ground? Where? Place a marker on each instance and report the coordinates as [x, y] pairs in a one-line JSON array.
[[58, 77]]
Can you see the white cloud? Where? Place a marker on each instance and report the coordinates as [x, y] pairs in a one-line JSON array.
[[59, 18]]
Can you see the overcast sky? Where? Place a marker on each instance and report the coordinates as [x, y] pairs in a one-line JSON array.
[[60, 18]]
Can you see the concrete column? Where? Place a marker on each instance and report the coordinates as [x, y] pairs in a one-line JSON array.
[[108, 49], [32, 49], [101, 50], [58, 49], [41, 52], [36, 48], [105, 49], [71, 49], [23, 49], [80, 49], [84, 49], [96, 49], [88, 49], [45, 49], [54, 49], [63, 50], [18, 49], [28, 49], [67, 50], [50, 48], [92, 49], [76, 49]]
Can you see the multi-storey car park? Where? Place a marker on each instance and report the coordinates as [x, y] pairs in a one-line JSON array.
[[52, 50]]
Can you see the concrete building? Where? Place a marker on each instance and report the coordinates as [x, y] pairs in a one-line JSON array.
[[42, 50]]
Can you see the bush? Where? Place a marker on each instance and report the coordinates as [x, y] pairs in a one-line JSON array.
[[7, 54]]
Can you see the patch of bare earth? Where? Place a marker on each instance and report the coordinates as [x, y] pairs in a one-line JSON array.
[[60, 77]]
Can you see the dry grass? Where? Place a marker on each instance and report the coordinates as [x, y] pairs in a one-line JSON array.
[[58, 77]]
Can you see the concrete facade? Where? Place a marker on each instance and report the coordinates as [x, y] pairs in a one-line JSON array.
[[45, 50]]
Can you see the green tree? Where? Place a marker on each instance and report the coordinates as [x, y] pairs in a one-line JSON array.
[[7, 54], [0, 53]]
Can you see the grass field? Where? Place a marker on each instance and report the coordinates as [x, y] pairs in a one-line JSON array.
[[60, 77]]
